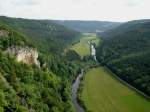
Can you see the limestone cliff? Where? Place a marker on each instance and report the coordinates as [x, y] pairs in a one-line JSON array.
[[24, 54], [4, 33]]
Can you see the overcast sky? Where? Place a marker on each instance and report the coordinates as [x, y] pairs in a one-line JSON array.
[[109, 10]]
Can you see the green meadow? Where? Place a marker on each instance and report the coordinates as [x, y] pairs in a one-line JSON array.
[[82, 47], [103, 93]]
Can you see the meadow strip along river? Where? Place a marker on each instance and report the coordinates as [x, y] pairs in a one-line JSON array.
[[76, 84], [132, 100]]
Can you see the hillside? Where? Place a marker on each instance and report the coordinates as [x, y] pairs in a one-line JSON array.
[[126, 50], [32, 80], [46, 35], [88, 26]]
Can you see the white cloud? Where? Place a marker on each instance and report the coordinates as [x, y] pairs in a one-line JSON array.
[[112, 10]]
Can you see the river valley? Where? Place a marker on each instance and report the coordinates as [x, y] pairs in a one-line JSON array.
[[98, 92], [76, 84]]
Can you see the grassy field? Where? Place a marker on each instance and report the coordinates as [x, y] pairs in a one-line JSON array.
[[103, 93], [82, 47]]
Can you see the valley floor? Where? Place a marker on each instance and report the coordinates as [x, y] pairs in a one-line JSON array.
[[82, 47], [103, 93]]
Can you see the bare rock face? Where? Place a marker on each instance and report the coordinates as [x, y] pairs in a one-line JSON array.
[[24, 54], [4, 33]]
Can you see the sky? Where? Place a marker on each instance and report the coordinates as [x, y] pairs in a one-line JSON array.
[[102, 10]]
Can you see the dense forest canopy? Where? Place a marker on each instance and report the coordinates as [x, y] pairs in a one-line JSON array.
[[88, 26], [126, 51], [25, 87], [46, 35]]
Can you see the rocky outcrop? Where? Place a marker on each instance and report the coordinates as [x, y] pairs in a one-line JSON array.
[[4, 33], [24, 54]]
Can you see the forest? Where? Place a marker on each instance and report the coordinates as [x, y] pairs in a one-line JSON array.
[[126, 50], [44, 34], [88, 26], [62, 52], [74, 56], [25, 87]]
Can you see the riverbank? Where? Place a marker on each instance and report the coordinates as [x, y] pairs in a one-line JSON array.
[[75, 87], [100, 91], [89, 52], [83, 47]]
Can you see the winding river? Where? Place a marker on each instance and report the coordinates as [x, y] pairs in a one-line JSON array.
[[76, 84], [75, 87]]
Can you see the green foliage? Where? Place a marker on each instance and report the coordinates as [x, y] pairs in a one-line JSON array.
[[31, 88], [126, 50], [12, 39], [46, 35], [88, 26], [25, 88], [72, 55], [60, 66]]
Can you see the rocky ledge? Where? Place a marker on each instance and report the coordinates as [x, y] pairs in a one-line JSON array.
[[4, 33], [24, 54]]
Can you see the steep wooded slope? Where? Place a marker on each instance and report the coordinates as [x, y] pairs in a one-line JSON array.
[[28, 87], [126, 51], [46, 35], [89, 26]]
